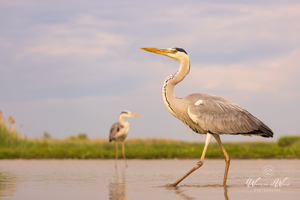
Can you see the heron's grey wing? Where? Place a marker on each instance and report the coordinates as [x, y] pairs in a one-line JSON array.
[[115, 128], [225, 117]]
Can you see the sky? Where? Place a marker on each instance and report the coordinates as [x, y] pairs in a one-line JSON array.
[[70, 67]]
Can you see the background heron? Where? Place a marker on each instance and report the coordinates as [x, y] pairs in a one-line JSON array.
[[119, 131], [206, 114]]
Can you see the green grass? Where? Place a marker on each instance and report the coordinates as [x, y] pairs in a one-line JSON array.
[[12, 147]]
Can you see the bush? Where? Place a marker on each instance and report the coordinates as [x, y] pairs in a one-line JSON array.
[[82, 136], [286, 141]]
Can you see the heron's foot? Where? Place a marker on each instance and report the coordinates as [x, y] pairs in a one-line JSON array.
[[171, 185]]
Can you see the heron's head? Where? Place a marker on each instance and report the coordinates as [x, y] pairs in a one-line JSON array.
[[175, 53], [127, 113]]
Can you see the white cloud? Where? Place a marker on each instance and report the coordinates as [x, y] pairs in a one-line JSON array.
[[232, 30], [85, 36], [264, 76]]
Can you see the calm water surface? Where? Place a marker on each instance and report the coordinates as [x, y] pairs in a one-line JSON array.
[[146, 179]]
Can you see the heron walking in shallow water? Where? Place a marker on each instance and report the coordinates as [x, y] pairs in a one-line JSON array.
[[118, 132], [206, 114]]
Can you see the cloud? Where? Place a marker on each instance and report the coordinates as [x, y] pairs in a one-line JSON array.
[[218, 33], [85, 36], [269, 76]]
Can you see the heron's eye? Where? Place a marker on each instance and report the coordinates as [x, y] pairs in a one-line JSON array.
[[174, 51]]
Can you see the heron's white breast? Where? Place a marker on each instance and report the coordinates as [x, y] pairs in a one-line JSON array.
[[123, 131]]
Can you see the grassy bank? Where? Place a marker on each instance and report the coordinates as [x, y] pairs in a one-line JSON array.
[[12, 148]]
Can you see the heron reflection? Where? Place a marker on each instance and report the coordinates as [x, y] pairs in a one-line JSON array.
[[118, 189], [184, 195]]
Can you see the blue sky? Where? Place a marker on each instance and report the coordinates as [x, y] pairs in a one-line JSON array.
[[68, 67]]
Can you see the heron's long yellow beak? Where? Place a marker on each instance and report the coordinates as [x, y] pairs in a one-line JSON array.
[[135, 115], [157, 50]]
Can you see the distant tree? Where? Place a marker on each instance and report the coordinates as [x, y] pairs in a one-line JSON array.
[[82, 136], [46, 135]]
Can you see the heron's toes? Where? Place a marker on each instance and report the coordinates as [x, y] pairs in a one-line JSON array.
[[170, 185]]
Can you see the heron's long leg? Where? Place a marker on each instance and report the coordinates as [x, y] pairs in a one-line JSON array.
[[123, 152], [199, 164], [116, 154], [227, 159]]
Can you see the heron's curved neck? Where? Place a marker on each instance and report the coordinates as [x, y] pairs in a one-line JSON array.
[[168, 87], [122, 120]]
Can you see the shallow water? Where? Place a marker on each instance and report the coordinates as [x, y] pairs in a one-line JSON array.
[[147, 179]]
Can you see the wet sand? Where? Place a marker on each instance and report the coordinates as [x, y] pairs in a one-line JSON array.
[[147, 179]]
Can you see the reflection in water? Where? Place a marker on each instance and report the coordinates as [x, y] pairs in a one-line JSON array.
[[184, 196], [181, 194], [117, 191], [225, 192], [7, 184]]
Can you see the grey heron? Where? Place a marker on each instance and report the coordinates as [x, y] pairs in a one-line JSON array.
[[204, 113], [119, 130]]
